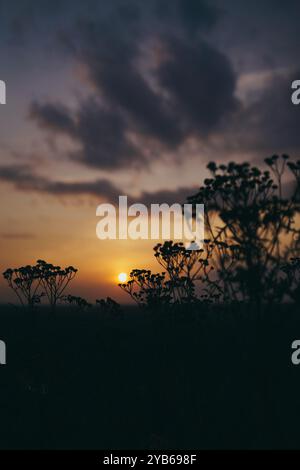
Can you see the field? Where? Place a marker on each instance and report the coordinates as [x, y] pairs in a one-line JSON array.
[[203, 379]]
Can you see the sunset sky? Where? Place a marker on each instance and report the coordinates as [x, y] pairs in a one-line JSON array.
[[130, 97]]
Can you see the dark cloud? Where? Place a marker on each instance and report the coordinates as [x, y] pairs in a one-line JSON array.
[[196, 14], [259, 34], [121, 83], [99, 133], [17, 236], [269, 123], [153, 90], [274, 119], [25, 179], [22, 176], [102, 134], [53, 117], [201, 82], [166, 196], [160, 72], [129, 12], [33, 17], [191, 15]]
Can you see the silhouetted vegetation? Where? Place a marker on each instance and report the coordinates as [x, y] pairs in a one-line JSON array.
[[25, 282], [292, 282], [252, 232], [250, 254], [253, 226], [28, 281], [177, 284], [54, 280], [194, 368], [109, 306], [79, 302]]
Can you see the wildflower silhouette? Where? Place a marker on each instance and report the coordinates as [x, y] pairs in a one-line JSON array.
[[292, 271], [251, 231], [109, 306], [79, 302], [25, 282], [146, 288], [184, 267], [175, 285], [250, 254], [54, 280], [252, 225]]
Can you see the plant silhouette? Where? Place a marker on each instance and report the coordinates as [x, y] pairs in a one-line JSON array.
[[109, 306], [147, 288], [292, 271], [250, 253], [25, 282], [251, 231], [253, 225], [54, 280], [79, 302], [176, 285], [215, 339]]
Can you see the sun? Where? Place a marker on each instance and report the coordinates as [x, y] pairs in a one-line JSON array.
[[122, 277]]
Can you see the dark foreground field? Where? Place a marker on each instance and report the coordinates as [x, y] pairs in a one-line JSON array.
[[211, 379]]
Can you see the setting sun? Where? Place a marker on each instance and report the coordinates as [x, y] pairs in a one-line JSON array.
[[122, 277]]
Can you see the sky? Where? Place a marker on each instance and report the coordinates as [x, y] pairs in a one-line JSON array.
[[135, 98]]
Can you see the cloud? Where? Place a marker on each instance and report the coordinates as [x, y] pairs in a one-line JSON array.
[[196, 14], [201, 83], [191, 15], [178, 195], [152, 84], [99, 133], [275, 119], [52, 117], [269, 123], [17, 236], [25, 179], [159, 75]]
